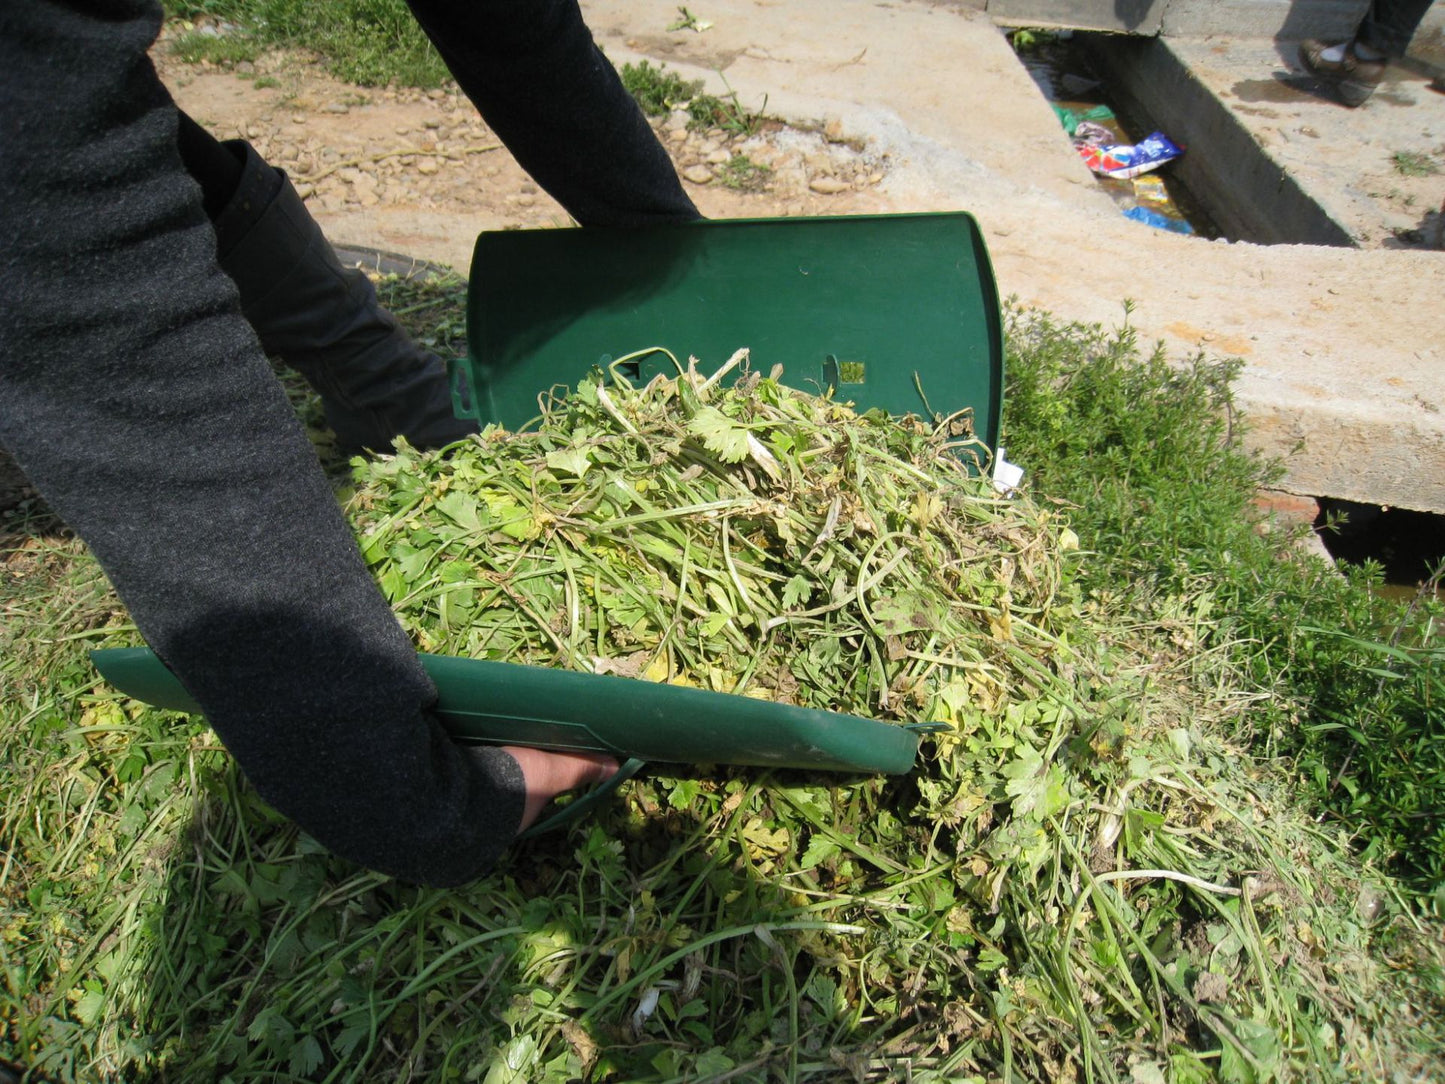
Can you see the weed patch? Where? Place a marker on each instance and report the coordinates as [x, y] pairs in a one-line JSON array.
[[223, 50], [1147, 455], [709, 111], [367, 42], [657, 90], [742, 173], [1414, 164]]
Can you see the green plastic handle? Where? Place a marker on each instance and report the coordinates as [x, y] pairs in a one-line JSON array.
[[460, 382], [586, 803], [510, 704]]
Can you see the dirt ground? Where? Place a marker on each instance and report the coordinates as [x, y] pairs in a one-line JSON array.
[[405, 156]]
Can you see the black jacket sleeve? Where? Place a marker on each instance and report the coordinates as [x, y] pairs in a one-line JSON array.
[[540, 82], [139, 402]]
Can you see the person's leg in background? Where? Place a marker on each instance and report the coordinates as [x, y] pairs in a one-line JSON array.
[[1388, 27], [1356, 67], [376, 383]]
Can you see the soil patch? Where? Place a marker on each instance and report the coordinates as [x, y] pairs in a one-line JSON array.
[[377, 165]]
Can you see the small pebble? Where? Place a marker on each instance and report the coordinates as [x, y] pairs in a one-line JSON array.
[[828, 186], [697, 174]]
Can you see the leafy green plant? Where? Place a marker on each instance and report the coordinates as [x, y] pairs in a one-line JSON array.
[[225, 50], [709, 111], [1147, 455], [1031, 39], [742, 173], [1414, 164], [657, 90]]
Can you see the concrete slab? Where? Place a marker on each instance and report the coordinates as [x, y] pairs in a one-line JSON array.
[[1114, 16], [1344, 373], [1293, 19]]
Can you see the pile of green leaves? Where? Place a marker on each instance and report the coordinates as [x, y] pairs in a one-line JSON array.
[[747, 539], [1083, 848]]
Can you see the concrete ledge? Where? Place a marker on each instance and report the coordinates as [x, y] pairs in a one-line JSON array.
[[1296, 19], [1120, 16]]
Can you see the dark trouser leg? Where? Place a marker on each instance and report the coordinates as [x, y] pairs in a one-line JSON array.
[[1389, 25]]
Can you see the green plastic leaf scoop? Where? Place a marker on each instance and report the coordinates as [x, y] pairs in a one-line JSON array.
[[634, 720]]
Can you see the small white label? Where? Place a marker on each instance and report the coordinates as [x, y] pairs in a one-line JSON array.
[[1006, 475]]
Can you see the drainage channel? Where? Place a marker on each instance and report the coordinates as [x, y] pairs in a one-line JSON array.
[[1408, 546], [1223, 185], [1240, 187], [1068, 68]]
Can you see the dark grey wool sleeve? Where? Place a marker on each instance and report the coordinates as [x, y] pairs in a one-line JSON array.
[[139, 402]]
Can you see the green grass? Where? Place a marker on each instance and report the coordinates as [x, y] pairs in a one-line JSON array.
[[367, 42], [657, 90], [1414, 164], [743, 174], [225, 50], [991, 916]]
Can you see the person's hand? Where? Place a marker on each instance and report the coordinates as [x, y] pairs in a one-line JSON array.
[[549, 774]]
